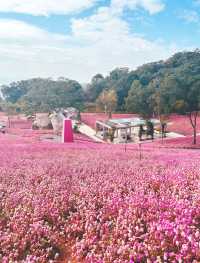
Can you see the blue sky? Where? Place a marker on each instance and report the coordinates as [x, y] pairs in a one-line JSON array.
[[79, 38]]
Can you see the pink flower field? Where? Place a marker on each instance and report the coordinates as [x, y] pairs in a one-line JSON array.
[[181, 143], [181, 124], [96, 203]]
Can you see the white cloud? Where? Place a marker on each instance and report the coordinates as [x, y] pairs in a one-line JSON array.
[[190, 16], [47, 7], [97, 43], [44, 7], [14, 29], [152, 6], [109, 42]]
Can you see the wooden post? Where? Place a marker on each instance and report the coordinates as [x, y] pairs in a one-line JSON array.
[[8, 122], [140, 149], [104, 132]]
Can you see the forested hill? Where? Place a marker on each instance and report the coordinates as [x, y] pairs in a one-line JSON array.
[[165, 86], [41, 95], [172, 80]]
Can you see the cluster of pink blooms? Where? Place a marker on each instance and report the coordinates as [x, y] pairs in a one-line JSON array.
[[181, 124], [97, 203], [181, 142], [20, 124]]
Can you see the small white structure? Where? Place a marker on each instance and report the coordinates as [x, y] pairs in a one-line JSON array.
[[71, 113], [59, 115], [42, 121], [121, 130], [57, 121]]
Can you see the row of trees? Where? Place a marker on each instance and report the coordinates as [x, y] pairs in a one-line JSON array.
[[169, 82], [174, 88], [155, 89], [158, 88], [172, 79], [41, 95]]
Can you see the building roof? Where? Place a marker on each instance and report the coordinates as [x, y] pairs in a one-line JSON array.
[[125, 123]]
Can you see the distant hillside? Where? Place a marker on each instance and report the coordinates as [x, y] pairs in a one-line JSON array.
[[159, 87], [179, 72], [42, 95]]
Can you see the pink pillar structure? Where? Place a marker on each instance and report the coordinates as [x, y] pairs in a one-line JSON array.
[[67, 134]]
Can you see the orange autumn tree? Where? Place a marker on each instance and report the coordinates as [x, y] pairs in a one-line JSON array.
[[107, 102]]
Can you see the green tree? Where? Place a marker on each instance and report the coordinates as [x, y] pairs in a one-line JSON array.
[[94, 89], [14, 91], [138, 100], [52, 95]]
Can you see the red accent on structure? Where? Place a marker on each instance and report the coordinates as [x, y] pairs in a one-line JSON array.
[[67, 131]]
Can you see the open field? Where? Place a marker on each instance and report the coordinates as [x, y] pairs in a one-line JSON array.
[[100, 131], [181, 124], [91, 202]]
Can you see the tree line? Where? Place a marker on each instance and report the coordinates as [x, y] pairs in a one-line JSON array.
[[41, 95], [154, 89]]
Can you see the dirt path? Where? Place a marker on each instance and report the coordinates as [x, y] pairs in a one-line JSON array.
[[87, 130]]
